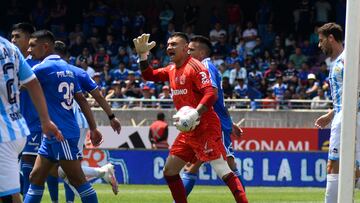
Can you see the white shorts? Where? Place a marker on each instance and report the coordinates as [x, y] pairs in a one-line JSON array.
[[83, 132], [334, 145], [9, 166]]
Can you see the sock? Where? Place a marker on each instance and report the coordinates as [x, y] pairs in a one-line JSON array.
[[177, 188], [87, 193], [91, 172], [69, 194], [53, 186], [34, 194], [26, 169], [331, 194], [189, 180], [238, 174], [236, 188]]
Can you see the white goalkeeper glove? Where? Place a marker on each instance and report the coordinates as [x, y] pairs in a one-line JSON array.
[[186, 119], [142, 46]]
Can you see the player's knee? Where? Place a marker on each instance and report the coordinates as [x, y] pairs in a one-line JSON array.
[[231, 162], [221, 167], [332, 167]]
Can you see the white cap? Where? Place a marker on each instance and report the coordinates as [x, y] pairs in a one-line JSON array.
[[311, 76]]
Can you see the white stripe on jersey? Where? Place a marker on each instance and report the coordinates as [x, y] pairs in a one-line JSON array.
[[336, 81], [12, 124], [79, 116]]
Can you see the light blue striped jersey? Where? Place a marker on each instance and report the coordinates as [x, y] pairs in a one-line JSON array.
[[336, 81], [27, 107], [59, 84], [87, 84], [13, 71], [219, 106]]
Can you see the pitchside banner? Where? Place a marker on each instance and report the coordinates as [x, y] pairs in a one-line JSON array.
[[297, 169], [254, 139]]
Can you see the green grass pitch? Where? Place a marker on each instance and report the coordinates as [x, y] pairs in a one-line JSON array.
[[202, 194]]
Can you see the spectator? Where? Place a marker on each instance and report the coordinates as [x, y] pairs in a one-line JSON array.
[[110, 46], [234, 17], [312, 86], [255, 78], [147, 95], [303, 74], [57, 15], [77, 47], [165, 94], [270, 75], [84, 65], [138, 21], [167, 15], [228, 89], [291, 76], [158, 133], [121, 73], [318, 101], [298, 58], [249, 35], [85, 54], [237, 72], [222, 47], [116, 93], [279, 90], [216, 33], [132, 86], [241, 92], [39, 15], [269, 101], [322, 10], [225, 72], [100, 59], [121, 57], [264, 17]]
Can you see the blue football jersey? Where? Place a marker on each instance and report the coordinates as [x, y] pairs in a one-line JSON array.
[[27, 107], [13, 71], [59, 84], [87, 84], [219, 106]]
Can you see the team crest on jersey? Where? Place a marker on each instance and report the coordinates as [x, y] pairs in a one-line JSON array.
[[182, 79], [337, 69]]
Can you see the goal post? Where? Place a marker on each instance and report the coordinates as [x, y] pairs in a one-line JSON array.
[[349, 103]]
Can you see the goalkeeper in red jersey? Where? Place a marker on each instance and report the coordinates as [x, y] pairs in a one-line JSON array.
[[191, 86]]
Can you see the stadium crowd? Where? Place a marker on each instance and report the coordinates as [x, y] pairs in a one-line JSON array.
[[257, 60]]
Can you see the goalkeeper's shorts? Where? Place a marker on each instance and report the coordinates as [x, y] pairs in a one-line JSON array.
[[205, 145]]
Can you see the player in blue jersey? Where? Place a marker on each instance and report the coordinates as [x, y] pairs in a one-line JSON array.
[[200, 48], [88, 85], [331, 43], [20, 36], [13, 129], [60, 88]]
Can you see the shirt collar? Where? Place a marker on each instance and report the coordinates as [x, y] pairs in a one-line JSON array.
[[205, 59], [52, 56]]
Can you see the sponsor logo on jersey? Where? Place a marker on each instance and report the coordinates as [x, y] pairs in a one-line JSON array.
[[179, 92]]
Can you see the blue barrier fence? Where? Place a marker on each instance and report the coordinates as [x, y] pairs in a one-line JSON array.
[[296, 169]]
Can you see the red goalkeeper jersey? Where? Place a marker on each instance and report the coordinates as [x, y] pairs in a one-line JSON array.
[[187, 85]]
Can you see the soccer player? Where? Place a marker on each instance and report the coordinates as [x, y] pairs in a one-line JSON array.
[[89, 85], [200, 49], [191, 86], [20, 36], [331, 43], [60, 88], [14, 71]]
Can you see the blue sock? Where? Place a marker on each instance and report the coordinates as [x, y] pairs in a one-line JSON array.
[[237, 173], [34, 194], [188, 180], [26, 168], [87, 193], [53, 186], [69, 194]]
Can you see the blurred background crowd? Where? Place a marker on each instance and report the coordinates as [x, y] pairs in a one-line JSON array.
[[264, 49]]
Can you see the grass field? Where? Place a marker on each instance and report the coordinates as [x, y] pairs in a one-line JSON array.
[[202, 194]]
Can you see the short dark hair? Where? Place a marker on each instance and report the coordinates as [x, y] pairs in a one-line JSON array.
[[181, 35], [60, 48], [24, 27], [203, 41], [332, 29], [161, 116], [44, 35]]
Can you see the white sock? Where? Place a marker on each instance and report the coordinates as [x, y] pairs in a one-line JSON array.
[[91, 172], [332, 183]]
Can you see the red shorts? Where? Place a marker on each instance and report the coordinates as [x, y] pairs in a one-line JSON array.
[[202, 144]]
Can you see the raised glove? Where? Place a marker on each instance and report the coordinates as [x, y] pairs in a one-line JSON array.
[[142, 46]]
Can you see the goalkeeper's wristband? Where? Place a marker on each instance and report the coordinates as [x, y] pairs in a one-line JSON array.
[[144, 56], [112, 116]]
